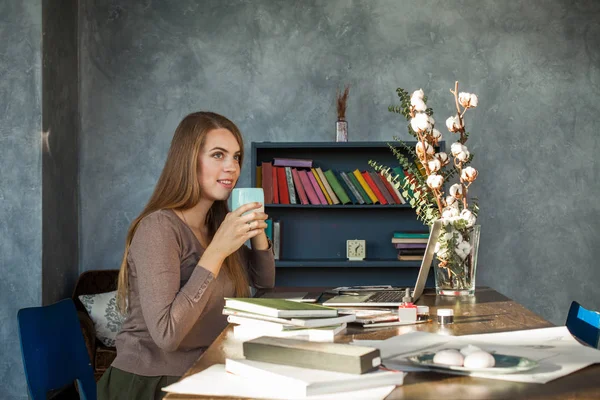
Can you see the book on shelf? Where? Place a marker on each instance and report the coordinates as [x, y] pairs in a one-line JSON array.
[[299, 187], [269, 229], [290, 184], [376, 178], [351, 187], [410, 245], [321, 334], [412, 252], [411, 235], [336, 187], [409, 258], [374, 188], [279, 307], [293, 162], [345, 187], [277, 239], [275, 181], [325, 182], [258, 173], [365, 186], [398, 199], [359, 188], [267, 181], [409, 240], [303, 382], [284, 194], [301, 322], [337, 357], [308, 187], [315, 184], [321, 186]]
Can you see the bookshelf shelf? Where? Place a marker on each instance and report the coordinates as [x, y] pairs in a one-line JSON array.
[[313, 237]]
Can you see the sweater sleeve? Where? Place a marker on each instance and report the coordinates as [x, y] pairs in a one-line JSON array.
[[260, 265], [169, 309]]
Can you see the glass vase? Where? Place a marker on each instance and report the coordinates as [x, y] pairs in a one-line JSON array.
[[455, 265], [341, 131]]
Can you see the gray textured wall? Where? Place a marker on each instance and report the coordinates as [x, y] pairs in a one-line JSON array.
[[273, 67], [20, 180], [60, 118]]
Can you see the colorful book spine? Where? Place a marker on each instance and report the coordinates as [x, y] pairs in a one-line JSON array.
[[292, 162], [332, 195], [269, 229], [308, 187], [345, 186], [267, 181], [316, 187], [411, 235], [410, 245], [259, 176], [277, 240], [365, 186], [284, 194], [275, 186], [358, 187], [290, 184], [357, 196], [299, 187], [337, 188], [391, 190], [323, 190], [374, 187], [375, 177]]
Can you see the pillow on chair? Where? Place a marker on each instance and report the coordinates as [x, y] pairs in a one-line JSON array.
[[102, 309]]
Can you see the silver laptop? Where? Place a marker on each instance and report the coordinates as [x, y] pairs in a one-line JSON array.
[[388, 298]]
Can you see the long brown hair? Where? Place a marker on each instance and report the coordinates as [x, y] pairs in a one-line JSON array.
[[178, 188]]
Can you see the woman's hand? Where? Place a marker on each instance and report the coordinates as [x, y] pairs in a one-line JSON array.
[[234, 231]]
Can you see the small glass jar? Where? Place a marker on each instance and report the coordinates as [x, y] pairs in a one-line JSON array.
[[445, 316], [422, 313]]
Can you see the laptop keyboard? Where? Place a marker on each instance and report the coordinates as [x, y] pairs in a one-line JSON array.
[[386, 297]]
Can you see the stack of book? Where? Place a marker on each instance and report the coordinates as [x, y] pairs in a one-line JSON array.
[[298, 181], [410, 245], [254, 317]]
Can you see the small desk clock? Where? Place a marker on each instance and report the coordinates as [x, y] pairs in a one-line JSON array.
[[356, 249]]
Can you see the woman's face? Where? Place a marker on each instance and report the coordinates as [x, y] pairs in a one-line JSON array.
[[219, 165]]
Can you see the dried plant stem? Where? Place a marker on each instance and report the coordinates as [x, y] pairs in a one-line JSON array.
[[462, 140]]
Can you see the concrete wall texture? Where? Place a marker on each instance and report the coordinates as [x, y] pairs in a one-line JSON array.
[[273, 67]]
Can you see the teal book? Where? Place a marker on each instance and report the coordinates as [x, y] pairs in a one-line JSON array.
[[269, 229], [279, 307], [410, 235]]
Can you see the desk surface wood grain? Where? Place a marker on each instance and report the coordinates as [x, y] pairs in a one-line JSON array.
[[486, 312]]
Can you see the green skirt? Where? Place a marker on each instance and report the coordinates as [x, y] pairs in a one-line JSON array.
[[117, 384]]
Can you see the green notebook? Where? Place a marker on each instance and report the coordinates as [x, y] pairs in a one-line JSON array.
[[279, 307]]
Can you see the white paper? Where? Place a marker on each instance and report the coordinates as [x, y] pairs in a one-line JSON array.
[[215, 381], [556, 351]]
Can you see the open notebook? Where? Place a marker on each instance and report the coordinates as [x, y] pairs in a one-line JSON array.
[[388, 298]]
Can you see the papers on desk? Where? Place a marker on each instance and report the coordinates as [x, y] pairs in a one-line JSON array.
[[216, 381], [556, 351]]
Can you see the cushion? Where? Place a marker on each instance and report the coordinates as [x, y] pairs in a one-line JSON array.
[[102, 309]]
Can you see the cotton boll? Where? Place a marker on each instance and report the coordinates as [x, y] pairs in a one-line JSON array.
[[479, 359], [448, 357], [465, 351]]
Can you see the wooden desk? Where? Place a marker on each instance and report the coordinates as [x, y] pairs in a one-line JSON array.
[[488, 311]]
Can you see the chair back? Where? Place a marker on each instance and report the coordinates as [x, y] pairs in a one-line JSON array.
[[584, 324], [53, 350]]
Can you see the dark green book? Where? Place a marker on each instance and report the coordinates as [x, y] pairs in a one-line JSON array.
[[279, 307], [359, 188], [337, 188], [337, 357]]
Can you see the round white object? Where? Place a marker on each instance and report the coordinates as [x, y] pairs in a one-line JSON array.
[[465, 351], [448, 357], [479, 359], [445, 312]]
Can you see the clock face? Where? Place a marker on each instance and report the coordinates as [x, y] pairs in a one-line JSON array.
[[356, 249]]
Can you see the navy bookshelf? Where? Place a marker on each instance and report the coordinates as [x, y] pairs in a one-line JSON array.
[[313, 237]]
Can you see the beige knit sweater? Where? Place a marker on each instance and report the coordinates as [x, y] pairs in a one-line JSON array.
[[175, 306]]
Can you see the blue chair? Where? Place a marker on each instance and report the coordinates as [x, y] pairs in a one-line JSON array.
[[584, 324], [53, 350]]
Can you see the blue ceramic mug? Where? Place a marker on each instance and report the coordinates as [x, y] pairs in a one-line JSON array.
[[241, 196]]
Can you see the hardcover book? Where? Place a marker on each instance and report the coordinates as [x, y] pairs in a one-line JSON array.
[[292, 162], [275, 186], [284, 193], [365, 186], [321, 334], [382, 188], [309, 382], [302, 322], [321, 186], [351, 187], [267, 181], [359, 187], [299, 187], [309, 188], [337, 357], [290, 184], [337, 188], [374, 188], [332, 195], [279, 307]]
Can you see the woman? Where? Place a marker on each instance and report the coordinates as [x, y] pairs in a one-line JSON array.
[[183, 255]]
